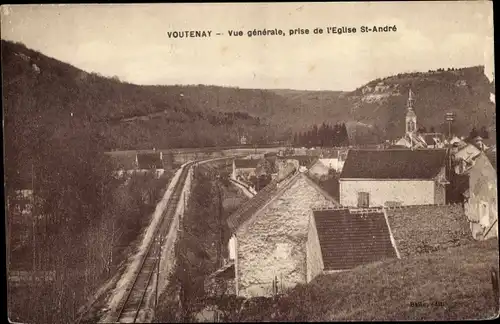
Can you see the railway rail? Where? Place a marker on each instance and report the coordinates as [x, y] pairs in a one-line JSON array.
[[130, 306]]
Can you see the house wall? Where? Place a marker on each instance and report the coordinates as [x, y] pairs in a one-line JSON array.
[[314, 261], [273, 243], [483, 190], [405, 192]]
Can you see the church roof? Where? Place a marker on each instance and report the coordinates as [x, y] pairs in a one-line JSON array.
[[393, 164], [410, 113]]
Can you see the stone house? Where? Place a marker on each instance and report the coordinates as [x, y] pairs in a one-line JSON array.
[[270, 235], [373, 178], [341, 239], [244, 168], [433, 140], [481, 203]]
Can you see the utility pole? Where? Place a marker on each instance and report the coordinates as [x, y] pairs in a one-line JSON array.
[[449, 117]]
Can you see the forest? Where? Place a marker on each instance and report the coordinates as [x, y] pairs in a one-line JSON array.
[[325, 135]]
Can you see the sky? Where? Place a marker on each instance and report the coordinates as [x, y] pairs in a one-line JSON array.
[[131, 41]]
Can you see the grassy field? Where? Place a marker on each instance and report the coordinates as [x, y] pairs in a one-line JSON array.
[[448, 285]]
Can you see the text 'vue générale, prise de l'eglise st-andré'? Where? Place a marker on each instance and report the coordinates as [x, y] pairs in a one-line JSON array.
[[334, 30]]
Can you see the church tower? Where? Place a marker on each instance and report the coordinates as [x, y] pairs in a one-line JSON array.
[[411, 117]]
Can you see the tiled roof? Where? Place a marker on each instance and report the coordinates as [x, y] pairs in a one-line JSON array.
[[149, 161], [393, 164], [246, 163], [422, 229], [245, 211], [348, 239]]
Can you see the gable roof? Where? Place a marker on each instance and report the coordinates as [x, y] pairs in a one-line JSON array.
[[273, 190], [348, 240], [393, 164], [149, 161], [246, 163], [245, 211]]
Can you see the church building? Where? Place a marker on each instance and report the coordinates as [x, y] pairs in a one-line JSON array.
[[413, 138]]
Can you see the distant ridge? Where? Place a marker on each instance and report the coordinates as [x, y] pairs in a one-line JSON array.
[[128, 116]]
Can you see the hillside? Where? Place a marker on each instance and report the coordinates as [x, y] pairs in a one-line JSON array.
[[449, 285], [464, 91], [45, 95]]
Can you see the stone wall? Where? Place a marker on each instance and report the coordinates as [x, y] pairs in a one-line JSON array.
[[314, 261], [273, 243], [406, 192]]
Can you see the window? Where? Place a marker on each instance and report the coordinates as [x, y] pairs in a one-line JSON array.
[[410, 126], [363, 199]]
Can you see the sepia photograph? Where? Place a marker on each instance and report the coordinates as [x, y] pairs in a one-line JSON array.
[[250, 162]]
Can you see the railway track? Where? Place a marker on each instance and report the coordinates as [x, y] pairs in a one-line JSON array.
[[134, 300]]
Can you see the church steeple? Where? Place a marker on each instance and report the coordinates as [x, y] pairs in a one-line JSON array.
[[411, 117]]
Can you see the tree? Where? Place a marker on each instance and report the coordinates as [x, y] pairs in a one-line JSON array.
[[344, 136], [473, 133]]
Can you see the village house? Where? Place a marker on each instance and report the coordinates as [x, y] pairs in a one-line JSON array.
[[141, 162], [480, 200], [341, 239], [150, 162], [267, 248], [393, 177], [244, 168], [328, 162]]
